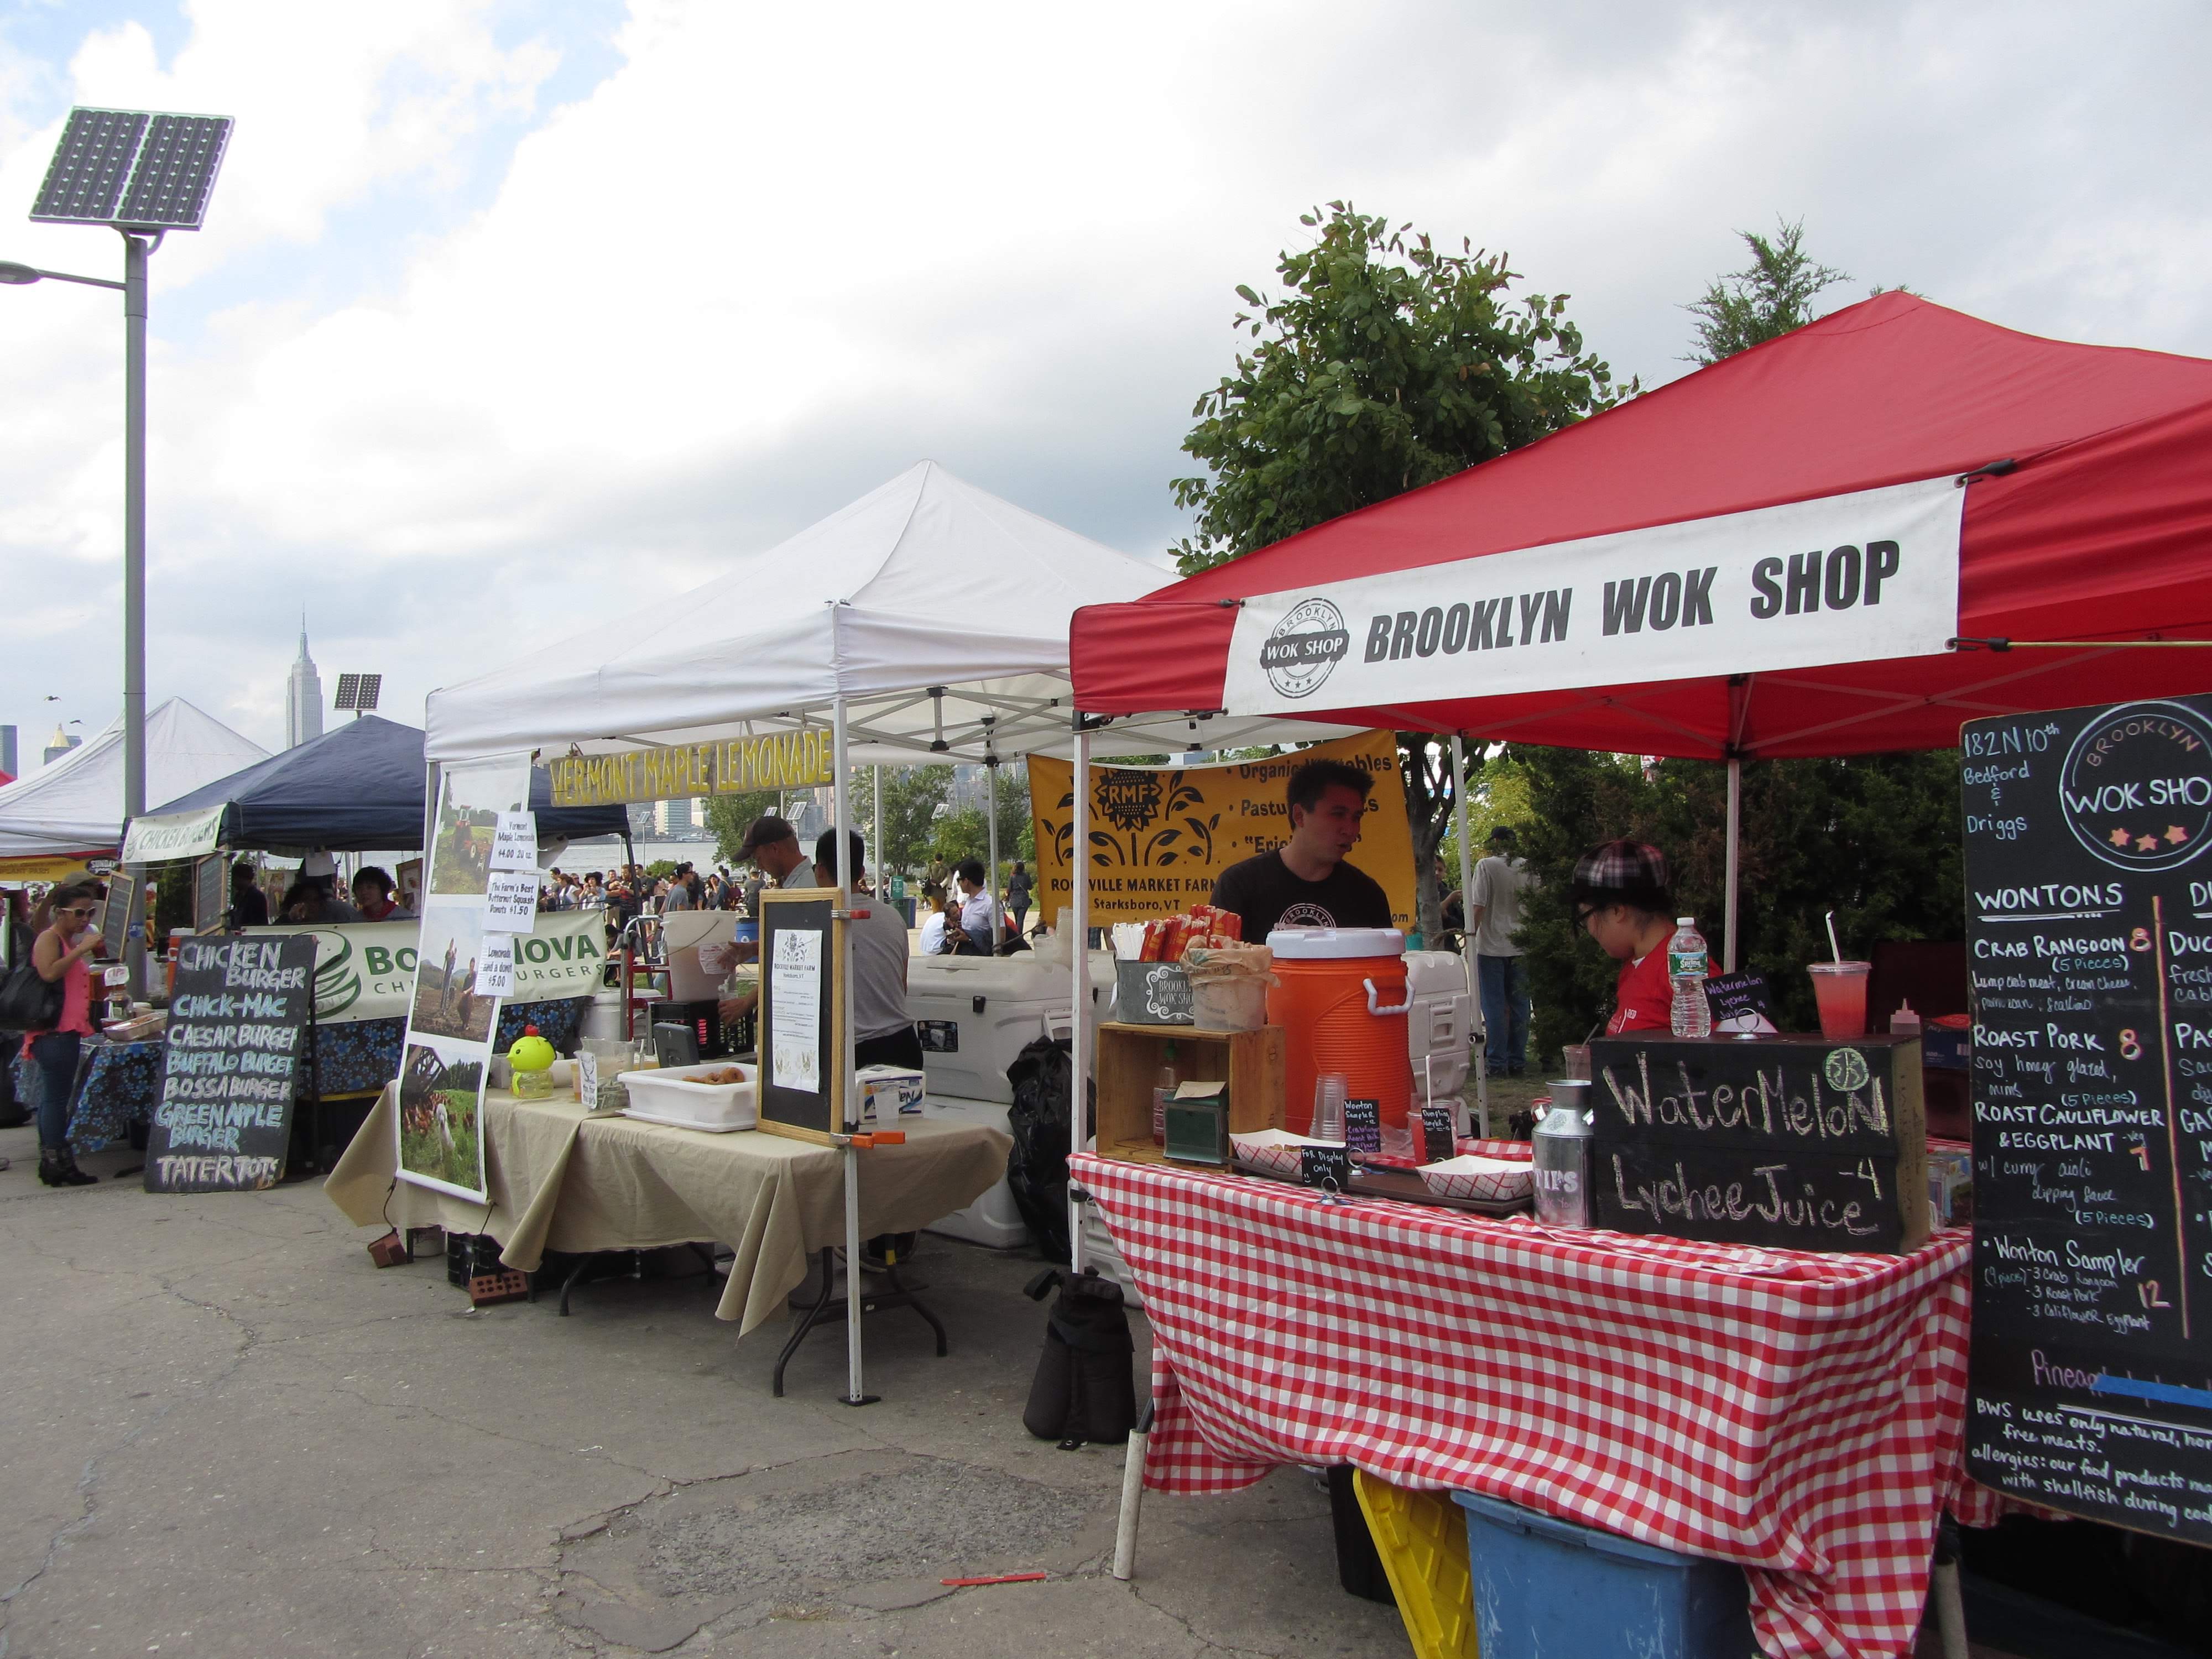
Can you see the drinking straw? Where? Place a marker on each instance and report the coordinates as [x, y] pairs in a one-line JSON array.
[[1834, 949]]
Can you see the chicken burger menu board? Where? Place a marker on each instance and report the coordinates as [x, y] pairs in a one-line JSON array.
[[2088, 876]]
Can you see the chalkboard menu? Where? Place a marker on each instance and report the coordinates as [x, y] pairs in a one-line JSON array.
[[1791, 1142], [238, 1020], [121, 910], [2089, 944]]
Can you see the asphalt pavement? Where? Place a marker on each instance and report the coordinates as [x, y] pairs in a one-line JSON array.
[[227, 1433]]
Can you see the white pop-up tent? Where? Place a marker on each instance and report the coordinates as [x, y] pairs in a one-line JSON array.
[[927, 621], [936, 612], [75, 804]]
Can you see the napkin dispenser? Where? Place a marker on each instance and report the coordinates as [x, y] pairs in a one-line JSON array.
[[1197, 1117]]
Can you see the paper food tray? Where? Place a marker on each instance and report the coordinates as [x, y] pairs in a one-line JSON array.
[[1499, 1180]]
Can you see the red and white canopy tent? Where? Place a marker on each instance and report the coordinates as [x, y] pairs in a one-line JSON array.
[[1847, 540]]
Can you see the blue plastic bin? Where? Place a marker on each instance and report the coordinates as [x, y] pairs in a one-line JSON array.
[[1550, 1589]]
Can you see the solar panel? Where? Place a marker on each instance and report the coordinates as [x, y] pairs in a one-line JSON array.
[[134, 167], [359, 692], [85, 180], [176, 170]]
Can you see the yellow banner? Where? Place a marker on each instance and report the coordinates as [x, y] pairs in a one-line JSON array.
[[1160, 835], [38, 867], [731, 766]]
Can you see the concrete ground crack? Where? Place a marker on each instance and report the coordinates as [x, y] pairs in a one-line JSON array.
[[1204, 1642]]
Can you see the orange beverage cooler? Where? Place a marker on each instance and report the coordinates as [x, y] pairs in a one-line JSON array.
[[1340, 998]]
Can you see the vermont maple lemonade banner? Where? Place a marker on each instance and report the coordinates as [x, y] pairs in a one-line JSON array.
[[1160, 835], [1853, 578], [730, 766]]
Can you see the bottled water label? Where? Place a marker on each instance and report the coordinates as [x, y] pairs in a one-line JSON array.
[[1685, 964]]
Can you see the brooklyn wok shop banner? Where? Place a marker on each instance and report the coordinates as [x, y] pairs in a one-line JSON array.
[[366, 969], [1853, 578], [1160, 835]]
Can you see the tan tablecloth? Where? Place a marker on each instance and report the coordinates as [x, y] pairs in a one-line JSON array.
[[561, 1181]]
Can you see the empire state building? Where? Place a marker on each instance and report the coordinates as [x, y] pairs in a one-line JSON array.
[[303, 698]]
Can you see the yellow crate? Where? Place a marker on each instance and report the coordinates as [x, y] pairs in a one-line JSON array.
[[1422, 1538]]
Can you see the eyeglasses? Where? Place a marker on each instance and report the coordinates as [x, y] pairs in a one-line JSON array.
[[76, 910]]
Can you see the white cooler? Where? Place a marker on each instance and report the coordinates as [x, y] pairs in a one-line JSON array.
[[992, 1220], [1444, 1024], [975, 1014]]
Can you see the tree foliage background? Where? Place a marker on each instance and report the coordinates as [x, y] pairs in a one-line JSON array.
[[1381, 363]]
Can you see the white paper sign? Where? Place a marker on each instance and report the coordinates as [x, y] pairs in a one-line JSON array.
[[495, 966], [514, 841], [795, 998], [1853, 578], [511, 902]]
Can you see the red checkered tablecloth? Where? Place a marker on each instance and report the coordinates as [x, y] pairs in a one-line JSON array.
[[1799, 1413]]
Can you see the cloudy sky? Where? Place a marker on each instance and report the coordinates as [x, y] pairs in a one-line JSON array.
[[510, 317]]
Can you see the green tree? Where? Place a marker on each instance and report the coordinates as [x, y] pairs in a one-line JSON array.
[[1383, 364], [911, 795], [1769, 297], [957, 833]]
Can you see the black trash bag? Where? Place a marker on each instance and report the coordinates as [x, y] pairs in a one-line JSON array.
[[1036, 1169], [1085, 1391]]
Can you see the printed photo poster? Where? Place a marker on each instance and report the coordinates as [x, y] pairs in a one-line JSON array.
[[450, 1021]]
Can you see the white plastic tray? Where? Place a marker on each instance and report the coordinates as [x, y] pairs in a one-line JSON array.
[[669, 1094]]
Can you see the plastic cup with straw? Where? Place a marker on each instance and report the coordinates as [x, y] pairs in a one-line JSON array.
[[1840, 989]]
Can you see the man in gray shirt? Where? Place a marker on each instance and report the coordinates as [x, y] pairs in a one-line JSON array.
[[1493, 917], [883, 1034]]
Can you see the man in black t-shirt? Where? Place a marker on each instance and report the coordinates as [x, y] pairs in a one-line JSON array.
[[1305, 883]]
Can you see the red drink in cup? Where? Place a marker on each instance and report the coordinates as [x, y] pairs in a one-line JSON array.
[[1840, 989]]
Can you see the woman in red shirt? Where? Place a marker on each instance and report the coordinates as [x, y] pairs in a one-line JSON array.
[[66, 937], [1620, 898]]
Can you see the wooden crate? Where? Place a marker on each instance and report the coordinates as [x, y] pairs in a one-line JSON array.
[[1129, 1060]]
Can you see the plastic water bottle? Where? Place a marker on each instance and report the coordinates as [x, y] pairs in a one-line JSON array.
[[1686, 969]]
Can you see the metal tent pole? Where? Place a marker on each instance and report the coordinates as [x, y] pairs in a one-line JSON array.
[[876, 847], [1734, 830], [1466, 933], [991, 873], [841, 812], [1076, 912]]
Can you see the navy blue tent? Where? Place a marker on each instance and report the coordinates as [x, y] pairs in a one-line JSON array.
[[356, 788]]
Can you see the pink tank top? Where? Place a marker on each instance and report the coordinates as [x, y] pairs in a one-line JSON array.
[[77, 1004]]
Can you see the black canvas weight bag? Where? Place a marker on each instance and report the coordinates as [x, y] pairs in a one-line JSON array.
[[1084, 1392]]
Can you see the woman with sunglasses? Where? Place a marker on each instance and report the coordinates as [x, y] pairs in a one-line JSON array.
[[66, 937]]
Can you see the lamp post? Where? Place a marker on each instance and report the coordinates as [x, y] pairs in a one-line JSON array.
[[135, 248], [143, 174]]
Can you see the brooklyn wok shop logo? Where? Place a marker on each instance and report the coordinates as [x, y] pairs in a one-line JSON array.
[[2137, 787], [1304, 646]]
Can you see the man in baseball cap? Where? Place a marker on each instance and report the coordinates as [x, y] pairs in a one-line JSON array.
[[773, 844]]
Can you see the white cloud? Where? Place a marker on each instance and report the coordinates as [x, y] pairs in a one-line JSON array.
[[778, 254]]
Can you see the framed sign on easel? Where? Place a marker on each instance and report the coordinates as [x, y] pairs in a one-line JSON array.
[[802, 1016], [209, 898]]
